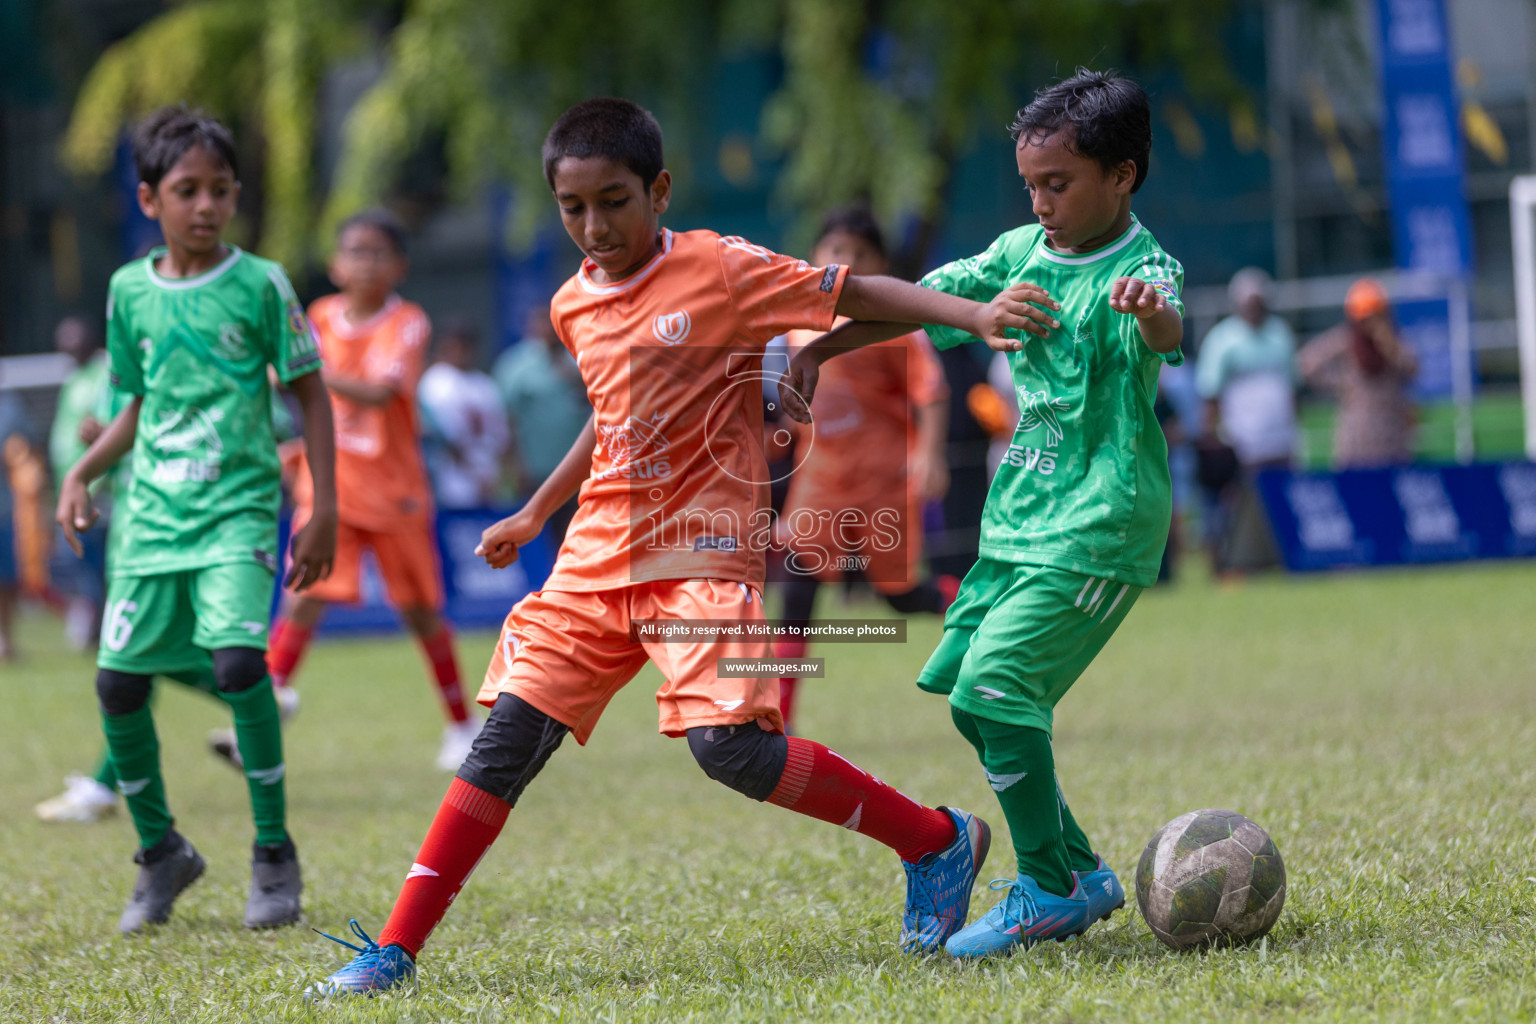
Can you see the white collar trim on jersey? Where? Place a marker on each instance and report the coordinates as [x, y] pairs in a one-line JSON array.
[[1046, 252], [633, 279], [189, 282], [349, 330]]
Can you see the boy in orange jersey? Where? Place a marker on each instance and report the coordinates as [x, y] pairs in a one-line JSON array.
[[668, 330], [375, 346], [875, 457]]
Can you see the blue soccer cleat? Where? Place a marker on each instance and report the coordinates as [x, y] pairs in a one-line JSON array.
[[375, 969], [939, 885], [1104, 892], [1027, 915]]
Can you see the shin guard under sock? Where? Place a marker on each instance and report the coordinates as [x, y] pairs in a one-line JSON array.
[[826, 786], [135, 753], [467, 823], [259, 735], [1022, 773]]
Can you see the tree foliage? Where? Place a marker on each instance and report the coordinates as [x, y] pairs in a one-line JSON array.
[[877, 98]]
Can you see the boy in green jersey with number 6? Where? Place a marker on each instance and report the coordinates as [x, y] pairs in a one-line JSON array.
[[191, 331], [1077, 516]]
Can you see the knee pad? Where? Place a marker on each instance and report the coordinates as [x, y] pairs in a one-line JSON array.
[[514, 744], [746, 757], [121, 693], [237, 669]]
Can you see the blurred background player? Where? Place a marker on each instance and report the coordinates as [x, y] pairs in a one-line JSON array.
[[375, 346], [876, 457], [191, 331], [463, 408], [81, 581]]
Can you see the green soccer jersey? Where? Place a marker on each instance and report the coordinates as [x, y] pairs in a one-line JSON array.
[[1084, 485], [206, 481]]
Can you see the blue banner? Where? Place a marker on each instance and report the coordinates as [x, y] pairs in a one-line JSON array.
[[478, 597], [1402, 515], [1421, 139]]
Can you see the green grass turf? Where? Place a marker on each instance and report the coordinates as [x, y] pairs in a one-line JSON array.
[[1381, 726]]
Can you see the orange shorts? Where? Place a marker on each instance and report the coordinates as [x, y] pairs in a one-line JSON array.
[[567, 653], [413, 577]]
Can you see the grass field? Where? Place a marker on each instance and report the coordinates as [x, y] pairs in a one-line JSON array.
[[1382, 728]]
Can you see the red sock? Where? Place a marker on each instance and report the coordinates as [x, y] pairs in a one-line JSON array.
[[788, 684], [467, 823], [822, 784], [285, 649], [445, 667]]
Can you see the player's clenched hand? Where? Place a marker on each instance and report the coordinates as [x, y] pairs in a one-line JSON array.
[[75, 513], [1136, 297], [314, 549], [500, 541], [798, 387], [1023, 307]]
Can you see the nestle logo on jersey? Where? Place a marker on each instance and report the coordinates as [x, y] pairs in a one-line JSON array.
[[1030, 459], [707, 543]]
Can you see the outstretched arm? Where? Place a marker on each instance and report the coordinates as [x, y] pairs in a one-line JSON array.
[[1022, 307], [1161, 326], [500, 541], [75, 511]]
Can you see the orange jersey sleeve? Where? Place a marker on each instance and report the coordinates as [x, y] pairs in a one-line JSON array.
[[773, 294]]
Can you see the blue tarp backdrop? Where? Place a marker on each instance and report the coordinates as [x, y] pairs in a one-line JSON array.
[[1404, 515]]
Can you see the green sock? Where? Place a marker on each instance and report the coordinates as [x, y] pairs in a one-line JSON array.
[[1022, 773], [105, 773], [135, 754], [1080, 855], [259, 734]]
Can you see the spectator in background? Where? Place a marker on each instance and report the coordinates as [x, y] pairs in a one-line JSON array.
[[1246, 374], [466, 415], [546, 402], [1365, 363], [12, 425], [80, 580]]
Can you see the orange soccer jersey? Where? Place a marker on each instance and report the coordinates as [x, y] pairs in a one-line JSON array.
[[672, 360], [381, 484], [674, 519]]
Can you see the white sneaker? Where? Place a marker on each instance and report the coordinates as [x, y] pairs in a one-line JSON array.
[[457, 739], [83, 801], [287, 702]]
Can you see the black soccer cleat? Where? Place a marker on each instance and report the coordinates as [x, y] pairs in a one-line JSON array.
[[165, 870], [275, 886]]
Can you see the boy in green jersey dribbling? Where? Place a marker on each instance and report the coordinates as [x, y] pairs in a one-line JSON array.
[[191, 331], [1077, 516]]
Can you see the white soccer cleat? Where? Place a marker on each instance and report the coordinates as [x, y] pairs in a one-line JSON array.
[[287, 702], [458, 737], [83, 801]]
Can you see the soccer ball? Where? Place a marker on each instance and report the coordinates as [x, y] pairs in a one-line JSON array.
[[1210, 878]]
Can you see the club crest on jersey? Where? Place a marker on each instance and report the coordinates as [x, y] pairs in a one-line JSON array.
[[633, 447], [672, 328], [1037, 411], [231, 341]]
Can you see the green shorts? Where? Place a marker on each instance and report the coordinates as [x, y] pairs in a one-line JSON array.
[[167, 623], [1018, 636]]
